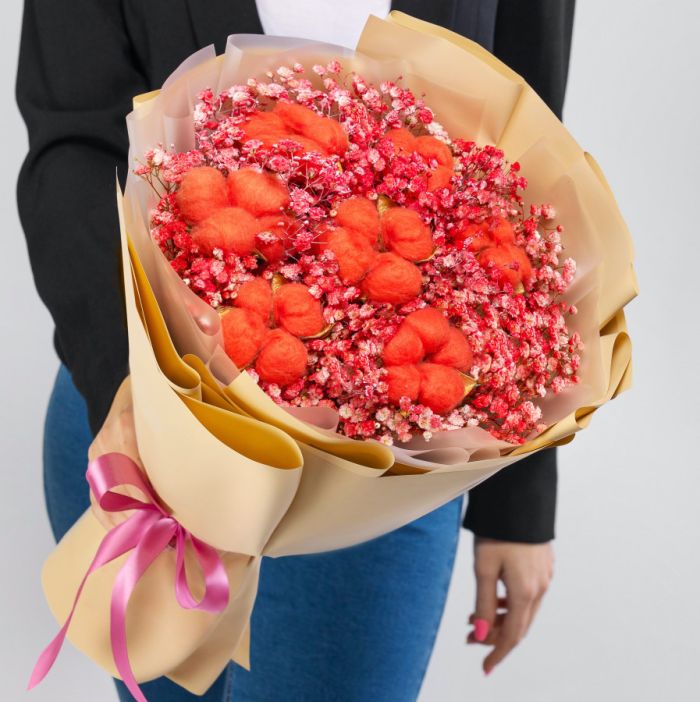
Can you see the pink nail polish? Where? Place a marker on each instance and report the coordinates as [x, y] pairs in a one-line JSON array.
[[481, 629], [488, 672]]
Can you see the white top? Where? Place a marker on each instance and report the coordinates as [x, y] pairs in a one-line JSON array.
[[333, 21]]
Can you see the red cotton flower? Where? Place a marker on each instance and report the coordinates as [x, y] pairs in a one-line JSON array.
[[202, 191], [392, 279], [359, 214], [243, 332], [255, 295], [229, 228], [282, 359], [258, 193], [299, 312], [405, 234]]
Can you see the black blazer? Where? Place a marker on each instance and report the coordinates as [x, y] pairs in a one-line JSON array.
[[80, 63]]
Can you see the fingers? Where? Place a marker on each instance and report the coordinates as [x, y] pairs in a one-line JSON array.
[[535, 607], [118, 432], [512, 631], [117, 435], [492, 636], [486, 601], [502, 604], [542, 577]]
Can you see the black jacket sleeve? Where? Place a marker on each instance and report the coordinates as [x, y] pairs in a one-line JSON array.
[[76, 75], [534, 39], [519, 502]]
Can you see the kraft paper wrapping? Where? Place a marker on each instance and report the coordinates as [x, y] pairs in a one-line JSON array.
[[253, 479]]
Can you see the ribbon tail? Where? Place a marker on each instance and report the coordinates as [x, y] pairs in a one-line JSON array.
[[117, 542], [48, 656], [153, 543], [216, 584]]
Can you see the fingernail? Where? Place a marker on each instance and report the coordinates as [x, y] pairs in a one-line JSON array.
[[481, 629], [488, 671]]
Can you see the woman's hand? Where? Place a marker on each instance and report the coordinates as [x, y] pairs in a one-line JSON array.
[[526, 571], [117, 435]]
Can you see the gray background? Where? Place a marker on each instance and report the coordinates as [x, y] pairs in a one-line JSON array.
[[621, 619]]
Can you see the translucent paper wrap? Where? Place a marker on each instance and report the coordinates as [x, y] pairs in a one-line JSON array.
[[251, 478]]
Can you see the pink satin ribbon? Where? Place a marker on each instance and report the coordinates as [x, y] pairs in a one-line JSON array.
[[146, 533]]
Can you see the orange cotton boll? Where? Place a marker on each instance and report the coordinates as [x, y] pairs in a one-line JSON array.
[[441, 387], [496, 258], [439, 177], [324, 131], [478, 235], [510, 262], [403, 381], [262, 125], [392, 279], [404, 142], [404, 347], [269, 139], [405, 233], [353, 253], [278, 225], [201, 192], [456, 352], [259, 193], [282, 359], [359, 214], [329, 133], [297, 310], [230, 228], [501, 231], [307, 145], [255, 295], [431, 148], [322, 233], [523, 261], [432, 327], [296, 117], [243, 332]]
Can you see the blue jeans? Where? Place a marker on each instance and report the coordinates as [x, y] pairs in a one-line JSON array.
[[350, 625]]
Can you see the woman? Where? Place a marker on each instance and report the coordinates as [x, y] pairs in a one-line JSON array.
[[319, 620]]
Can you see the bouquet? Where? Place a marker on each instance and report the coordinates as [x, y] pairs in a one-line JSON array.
[[356, 285]]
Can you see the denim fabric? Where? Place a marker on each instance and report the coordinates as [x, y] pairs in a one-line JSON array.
[[351, 625]]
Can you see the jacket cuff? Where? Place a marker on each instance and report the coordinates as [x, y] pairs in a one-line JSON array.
[[518, 503]]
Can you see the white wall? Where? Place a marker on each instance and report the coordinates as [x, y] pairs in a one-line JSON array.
[[620, 621]]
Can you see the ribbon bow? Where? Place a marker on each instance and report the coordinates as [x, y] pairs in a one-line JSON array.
[[146, 533]]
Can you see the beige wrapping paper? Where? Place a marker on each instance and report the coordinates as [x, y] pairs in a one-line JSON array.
[[253, 479]]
